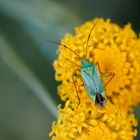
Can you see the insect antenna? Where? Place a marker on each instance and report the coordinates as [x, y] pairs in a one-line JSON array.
[[65, 47], [89, 36], [72, 62]]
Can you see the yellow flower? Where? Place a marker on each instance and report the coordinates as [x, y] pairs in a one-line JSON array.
[[116, 50], [87, 122]]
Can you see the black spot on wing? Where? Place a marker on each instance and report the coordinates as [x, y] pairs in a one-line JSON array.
[[99, 99]]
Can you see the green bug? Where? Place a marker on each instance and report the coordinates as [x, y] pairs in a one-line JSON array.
[[91, 76]]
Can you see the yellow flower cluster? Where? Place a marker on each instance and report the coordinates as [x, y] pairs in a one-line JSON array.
[[87, 122], [117, 50]]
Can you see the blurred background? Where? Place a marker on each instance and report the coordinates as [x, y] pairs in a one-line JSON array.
[[28, 99]]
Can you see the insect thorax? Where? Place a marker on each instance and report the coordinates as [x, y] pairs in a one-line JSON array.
[[87, 67], [86, 63]]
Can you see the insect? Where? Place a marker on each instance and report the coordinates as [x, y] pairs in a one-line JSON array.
[[91, 75]]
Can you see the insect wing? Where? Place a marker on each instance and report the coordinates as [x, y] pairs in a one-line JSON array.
[[99, 83], [87, 76], [93, 82]]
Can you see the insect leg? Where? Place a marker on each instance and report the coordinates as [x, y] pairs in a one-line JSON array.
[[99, 68], [112, 74], [74, 82]]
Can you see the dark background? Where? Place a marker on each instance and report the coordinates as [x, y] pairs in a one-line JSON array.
[[28, 96]]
